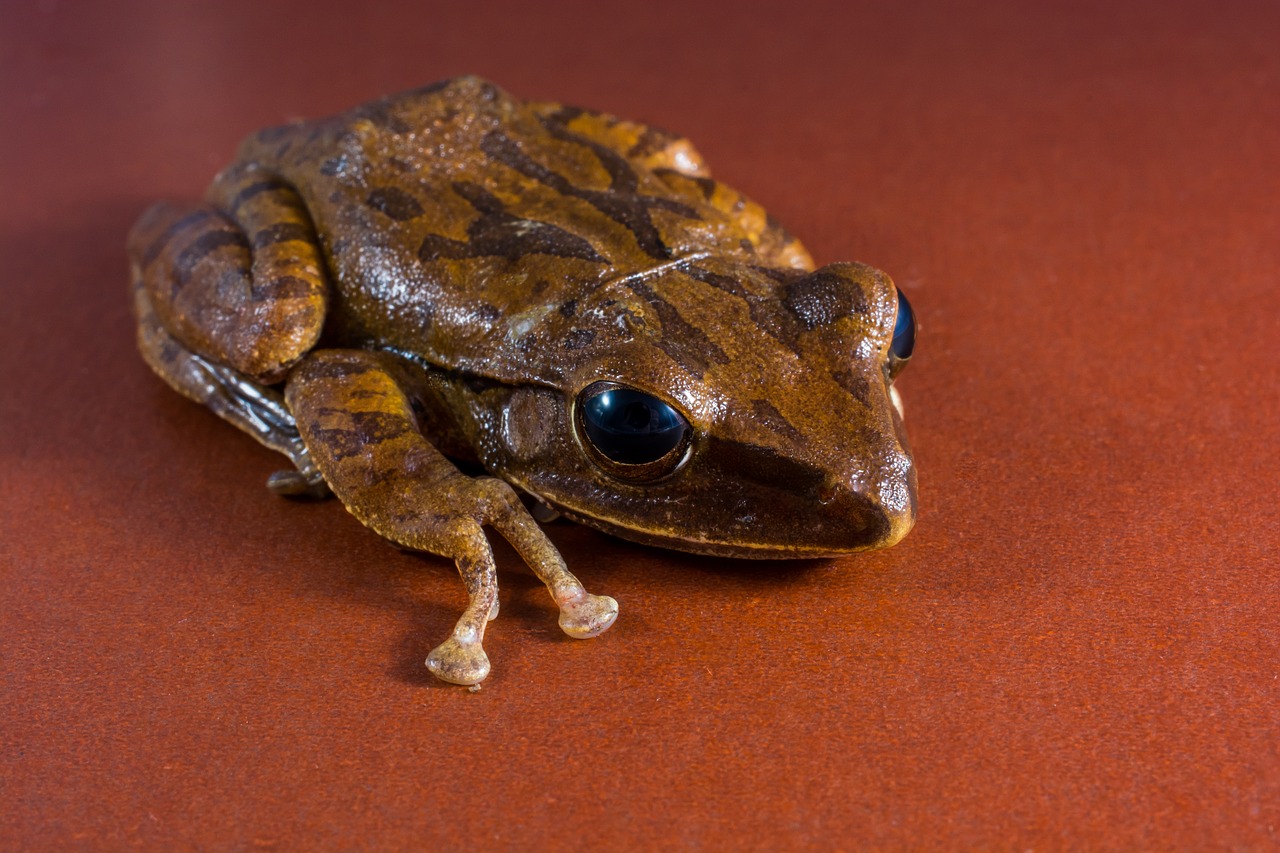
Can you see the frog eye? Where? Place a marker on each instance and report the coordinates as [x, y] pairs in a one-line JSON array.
[[904, 337], [631, 434]]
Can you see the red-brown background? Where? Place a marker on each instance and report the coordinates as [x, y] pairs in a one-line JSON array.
[[1076, 647]]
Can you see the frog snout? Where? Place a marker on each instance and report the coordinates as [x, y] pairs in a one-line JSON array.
[[871, 511], [790, 504]]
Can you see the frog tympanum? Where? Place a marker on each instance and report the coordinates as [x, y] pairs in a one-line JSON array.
[[565, 297]]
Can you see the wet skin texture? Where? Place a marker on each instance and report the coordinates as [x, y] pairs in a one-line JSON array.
[[456, 273]]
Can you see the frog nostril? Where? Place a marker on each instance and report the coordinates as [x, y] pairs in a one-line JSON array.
[[870, 506]]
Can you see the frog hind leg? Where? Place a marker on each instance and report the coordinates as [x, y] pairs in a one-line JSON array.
[[257, 409], [770, 242], [240, 280], [642, 145], [674, 160], [355, 417]]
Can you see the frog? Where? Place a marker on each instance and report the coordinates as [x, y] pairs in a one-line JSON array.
[[461, 311]]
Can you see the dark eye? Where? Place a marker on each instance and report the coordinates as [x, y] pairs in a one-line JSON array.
[[904, 336], [635, 435]]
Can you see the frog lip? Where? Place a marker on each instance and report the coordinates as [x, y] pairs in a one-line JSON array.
[[876, 530], [737, 550]]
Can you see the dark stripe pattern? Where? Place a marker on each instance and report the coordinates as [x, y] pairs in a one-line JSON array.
[[621, 202], [395, 203], [256, 189], [281, 232], [684, 342], [160, 243], [202, 247], [498, 233]]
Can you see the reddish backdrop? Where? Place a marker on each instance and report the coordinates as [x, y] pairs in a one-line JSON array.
[[1076, 648]]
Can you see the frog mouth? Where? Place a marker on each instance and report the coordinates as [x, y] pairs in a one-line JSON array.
[[870, 529]]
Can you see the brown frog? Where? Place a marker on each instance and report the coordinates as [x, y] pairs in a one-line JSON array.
[[565, 297]]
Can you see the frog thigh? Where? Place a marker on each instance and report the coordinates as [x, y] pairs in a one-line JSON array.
[[254, 408], [674, 159], [642, 145], [773, 243], [356, 420], [239, 280]]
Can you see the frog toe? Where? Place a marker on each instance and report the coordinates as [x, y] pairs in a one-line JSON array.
[[586, 615], [458, 663], [295, 484]]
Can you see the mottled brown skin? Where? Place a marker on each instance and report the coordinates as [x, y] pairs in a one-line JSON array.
[[440, 273]]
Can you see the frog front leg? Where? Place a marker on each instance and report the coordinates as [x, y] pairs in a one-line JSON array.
[[359, 427]]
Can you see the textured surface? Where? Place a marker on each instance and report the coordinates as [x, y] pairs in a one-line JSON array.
[[1076, 646]]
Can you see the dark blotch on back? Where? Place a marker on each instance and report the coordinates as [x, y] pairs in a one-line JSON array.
[[378, 426], [579, 338], [707, 185], [766, 313], [781, 275], [381, 113], [395, 203], [651, 141], [686, 344], [820, 299], [498, 233], [620, 202]]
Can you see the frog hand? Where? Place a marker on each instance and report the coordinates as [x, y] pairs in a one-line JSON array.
[[582, 615], [585, 615], [461, 658]]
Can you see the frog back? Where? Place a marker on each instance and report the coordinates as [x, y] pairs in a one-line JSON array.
[[481, 234]]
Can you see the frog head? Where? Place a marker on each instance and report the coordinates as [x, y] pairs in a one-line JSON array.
[[746, 412]]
